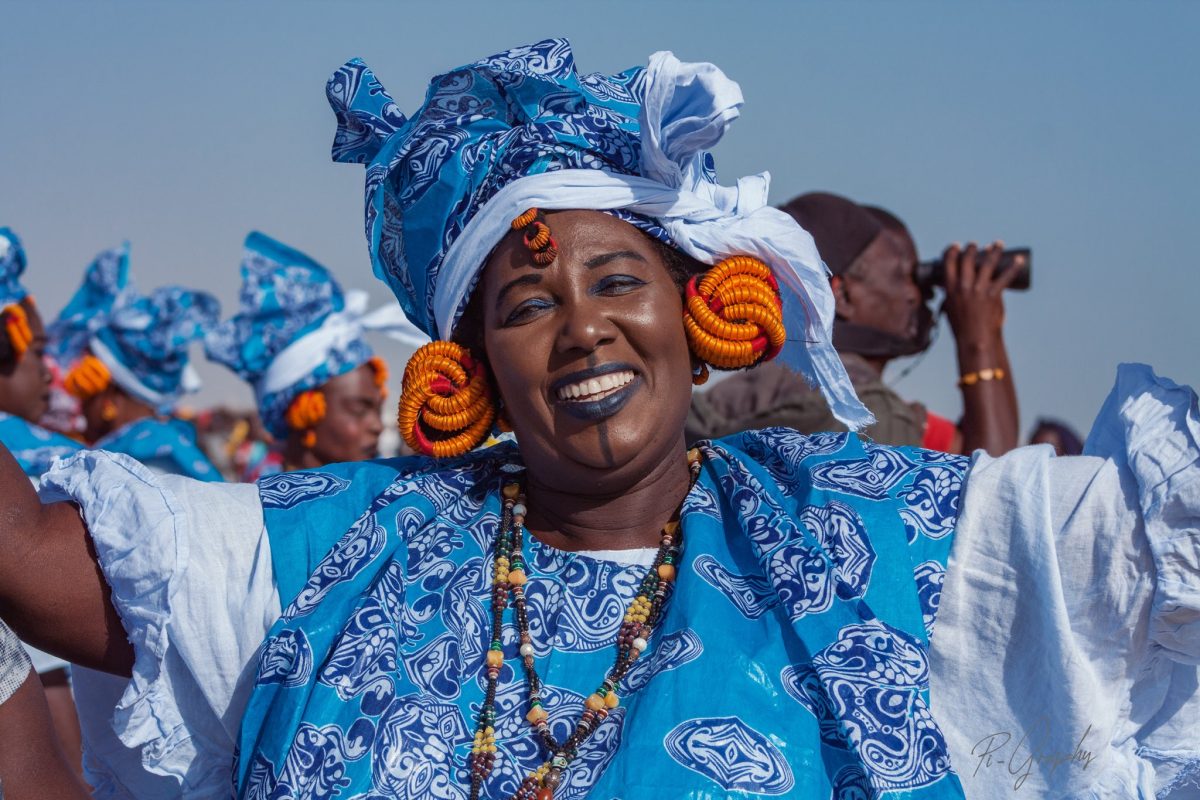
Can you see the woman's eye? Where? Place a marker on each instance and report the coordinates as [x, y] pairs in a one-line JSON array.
[[525, 310], [618, 284]]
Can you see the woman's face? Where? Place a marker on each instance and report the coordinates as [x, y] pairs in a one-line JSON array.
[[589, 352], [350, 429], [25, 382]]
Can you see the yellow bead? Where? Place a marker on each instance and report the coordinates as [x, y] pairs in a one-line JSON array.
[[516, 577], [510, 491], [666, 572], [495, 658], [536, 714], [611, 700], [671, 527], [594, 702]]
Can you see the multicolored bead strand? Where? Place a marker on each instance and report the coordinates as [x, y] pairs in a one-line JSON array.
[[509, 577]]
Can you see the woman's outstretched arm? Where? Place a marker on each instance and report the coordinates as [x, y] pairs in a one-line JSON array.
[[52, 592]]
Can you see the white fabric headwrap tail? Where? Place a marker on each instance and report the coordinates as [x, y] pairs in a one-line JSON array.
[[686, 110], [124, 377], [299, 359]]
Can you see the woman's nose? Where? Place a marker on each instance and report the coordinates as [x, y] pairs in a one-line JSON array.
[[584, 328]]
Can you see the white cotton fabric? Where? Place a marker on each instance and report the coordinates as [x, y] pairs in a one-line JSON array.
[[190, 570], [686, 110], [1064, 657], [335, 334], [1069, 601]]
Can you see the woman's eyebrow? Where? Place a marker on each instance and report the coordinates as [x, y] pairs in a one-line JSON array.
[[524, 279], [605, 258]]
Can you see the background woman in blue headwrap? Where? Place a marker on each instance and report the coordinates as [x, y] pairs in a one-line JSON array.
[[129, 364], [595, 611], [24, 376], [299, 342]]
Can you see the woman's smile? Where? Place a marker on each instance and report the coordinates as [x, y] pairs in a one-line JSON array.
[[597, 392]]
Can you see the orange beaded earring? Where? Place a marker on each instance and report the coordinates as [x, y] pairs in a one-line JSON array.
[[446, 390], [733, 316], [306, 410], [537, 236], [16, 325]]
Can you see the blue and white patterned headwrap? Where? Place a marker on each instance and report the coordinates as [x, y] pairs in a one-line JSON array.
[[142, 340], [295, 330], [12, 264], [522, 129]]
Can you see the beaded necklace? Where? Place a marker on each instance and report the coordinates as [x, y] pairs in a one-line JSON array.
[[508, 577]]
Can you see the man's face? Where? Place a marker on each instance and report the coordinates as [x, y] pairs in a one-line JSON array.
[[878, 291]]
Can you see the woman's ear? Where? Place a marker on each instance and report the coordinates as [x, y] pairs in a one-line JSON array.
[[843, 306]]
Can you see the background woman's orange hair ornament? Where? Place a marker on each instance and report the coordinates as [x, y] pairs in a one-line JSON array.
[[306, 410], [733, 314], [446, 405], [88, 378], [16, 325]]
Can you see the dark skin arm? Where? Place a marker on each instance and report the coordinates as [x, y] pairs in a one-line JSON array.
[[974, 306], [32, 764], [52, 593]]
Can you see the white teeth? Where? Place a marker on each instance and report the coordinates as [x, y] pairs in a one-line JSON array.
[[596, 386]]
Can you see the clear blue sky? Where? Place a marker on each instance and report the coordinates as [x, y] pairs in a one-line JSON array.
[[1069, 127]]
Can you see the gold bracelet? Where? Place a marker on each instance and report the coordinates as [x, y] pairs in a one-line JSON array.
[[972, 378]]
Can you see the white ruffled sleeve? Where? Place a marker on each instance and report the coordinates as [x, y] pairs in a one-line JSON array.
[[1064, 659], [190, 569]]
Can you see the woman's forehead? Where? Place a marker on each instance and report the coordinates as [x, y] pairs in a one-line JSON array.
[[579, 233]]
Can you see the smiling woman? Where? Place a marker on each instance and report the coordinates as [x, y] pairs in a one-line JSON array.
[[592, 610]]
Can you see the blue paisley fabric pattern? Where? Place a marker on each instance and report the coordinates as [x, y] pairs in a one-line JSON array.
[[12, 264], [522, 112], [285, 296], [165, 445], [790, 662], [148, 334], [34, 447]]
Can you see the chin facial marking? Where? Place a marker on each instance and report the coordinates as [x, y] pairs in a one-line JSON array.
[[595, 388]]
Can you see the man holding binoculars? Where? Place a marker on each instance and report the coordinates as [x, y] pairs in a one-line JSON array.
[[883, 294]]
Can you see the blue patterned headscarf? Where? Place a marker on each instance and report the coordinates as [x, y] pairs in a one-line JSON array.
[[143, 340], [295, 329], [12, 264], [523, 129]]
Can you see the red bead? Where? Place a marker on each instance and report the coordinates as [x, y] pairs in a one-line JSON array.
[[545, 794]]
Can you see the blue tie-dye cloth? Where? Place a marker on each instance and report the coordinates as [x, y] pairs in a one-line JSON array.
[[165, 445], [791, 660], [34, 447]]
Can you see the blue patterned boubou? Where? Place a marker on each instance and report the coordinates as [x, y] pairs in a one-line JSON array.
[[164, 445], [34, 447], [818, 596]]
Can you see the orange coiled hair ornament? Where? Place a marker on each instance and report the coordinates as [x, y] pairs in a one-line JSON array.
[[536, 233], [87, 378], [733, 315], [306, 410], [16, 325], [446, 392]]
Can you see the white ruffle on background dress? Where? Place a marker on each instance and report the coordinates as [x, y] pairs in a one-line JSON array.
[[1064, 659]]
